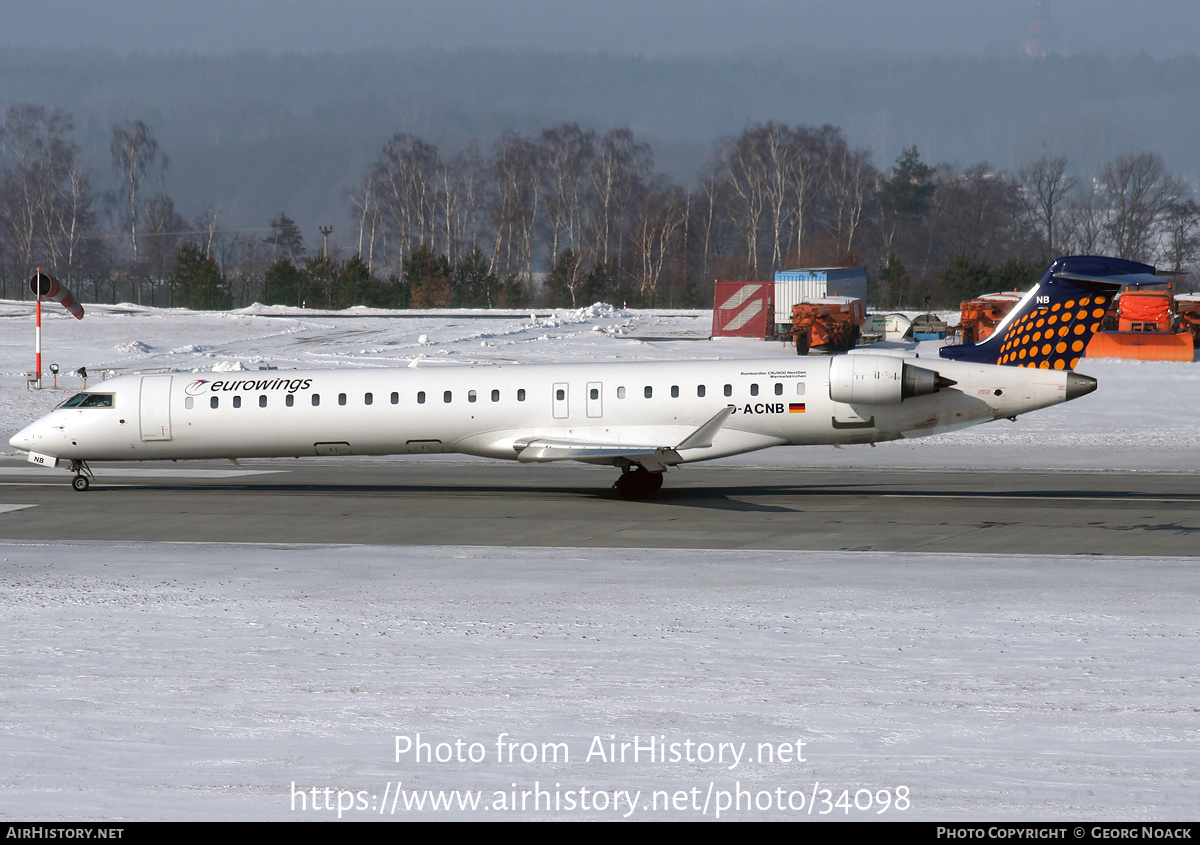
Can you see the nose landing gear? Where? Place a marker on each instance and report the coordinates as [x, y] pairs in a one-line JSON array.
[[83, 476]]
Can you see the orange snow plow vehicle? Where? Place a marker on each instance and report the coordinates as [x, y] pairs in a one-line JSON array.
[[1187, 306], [1146, 325], [828, 324], [980, 316]]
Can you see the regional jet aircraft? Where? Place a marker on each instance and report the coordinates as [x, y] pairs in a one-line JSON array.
[[641, 418]]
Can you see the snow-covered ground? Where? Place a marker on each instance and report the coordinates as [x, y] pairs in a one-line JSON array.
[[177, 681]]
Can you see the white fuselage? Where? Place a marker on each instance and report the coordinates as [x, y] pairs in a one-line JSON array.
[[493, 411]]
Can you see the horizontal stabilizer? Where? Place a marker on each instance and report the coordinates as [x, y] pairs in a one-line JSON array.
[[1124, 279]]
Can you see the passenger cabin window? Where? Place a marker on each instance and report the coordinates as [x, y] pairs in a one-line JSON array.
[[754, 390], [700, 390], [674, 391], [471, 397], [316, 399], [237, 401], [495, 395], [729, 390], [446, 397], [189, 402], [368, 398], [396, 398], [420, 397], [620, 393], [521, 395], [778, 388], [262, 401], [214, 402], [799, 388], [341, 398], [649, 391], [290, 400]]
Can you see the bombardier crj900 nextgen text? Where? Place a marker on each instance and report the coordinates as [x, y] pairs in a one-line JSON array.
[[639, 417]]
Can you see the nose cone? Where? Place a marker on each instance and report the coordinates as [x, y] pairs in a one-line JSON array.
[[32, 438], [1078, 385], [20, 440], [23, 439]]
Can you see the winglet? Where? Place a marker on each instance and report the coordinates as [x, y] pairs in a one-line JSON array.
[[702, 437]]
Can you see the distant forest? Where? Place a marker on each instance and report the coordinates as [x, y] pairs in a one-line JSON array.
[[490, 178]]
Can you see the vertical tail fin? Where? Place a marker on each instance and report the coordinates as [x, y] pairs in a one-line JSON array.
[[1052, 324]]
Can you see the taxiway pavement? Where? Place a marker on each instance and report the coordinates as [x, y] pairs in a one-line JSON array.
[[407, 502]]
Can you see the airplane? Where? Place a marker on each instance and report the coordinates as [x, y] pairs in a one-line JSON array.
[[641, 418]]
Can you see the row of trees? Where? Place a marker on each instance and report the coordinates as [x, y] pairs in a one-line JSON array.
[[1132, 209], [588, 210], [571, 215]]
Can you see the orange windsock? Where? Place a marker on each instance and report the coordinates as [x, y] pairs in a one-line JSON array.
[[47, 287]]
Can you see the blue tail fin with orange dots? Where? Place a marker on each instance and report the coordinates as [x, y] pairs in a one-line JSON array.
[[1052, 324]]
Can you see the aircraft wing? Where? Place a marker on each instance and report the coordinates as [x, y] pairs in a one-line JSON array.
[[652, 457], [542, 449]]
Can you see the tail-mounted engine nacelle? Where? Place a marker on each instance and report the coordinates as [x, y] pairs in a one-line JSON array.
[[880, 380]]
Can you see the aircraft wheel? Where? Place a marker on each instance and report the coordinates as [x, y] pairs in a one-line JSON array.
[[656, 480], [80, 483], [638, 484]]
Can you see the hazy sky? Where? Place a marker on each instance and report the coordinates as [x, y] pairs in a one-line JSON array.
[[644, 27]]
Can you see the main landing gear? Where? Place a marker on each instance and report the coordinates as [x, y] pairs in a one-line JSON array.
[[83, 476], [637, 482]]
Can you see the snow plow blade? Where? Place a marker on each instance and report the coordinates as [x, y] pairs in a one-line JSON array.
[[1141, 346]]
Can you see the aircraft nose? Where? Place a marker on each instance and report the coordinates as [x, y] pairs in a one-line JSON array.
[[32, 438], [22, 440]]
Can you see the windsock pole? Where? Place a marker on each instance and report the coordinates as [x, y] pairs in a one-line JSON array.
[[45, 285], [37, 341]]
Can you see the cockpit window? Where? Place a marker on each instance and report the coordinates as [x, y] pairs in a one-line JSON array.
[[89, 400]]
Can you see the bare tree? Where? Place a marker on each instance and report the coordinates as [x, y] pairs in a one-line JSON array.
[[516, 176], [367, 215], [809, 168], [569, 153], [208, 227], [1139, 192], [713, 224], [976, 214], [657, 236], [460, 199], [744, 170], [135, 158], [1182, 230], [163, 230], [74, 221], [45, 198], [621, 166], [405, 178], [1046, 188], [783, 184], [851, 188]]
